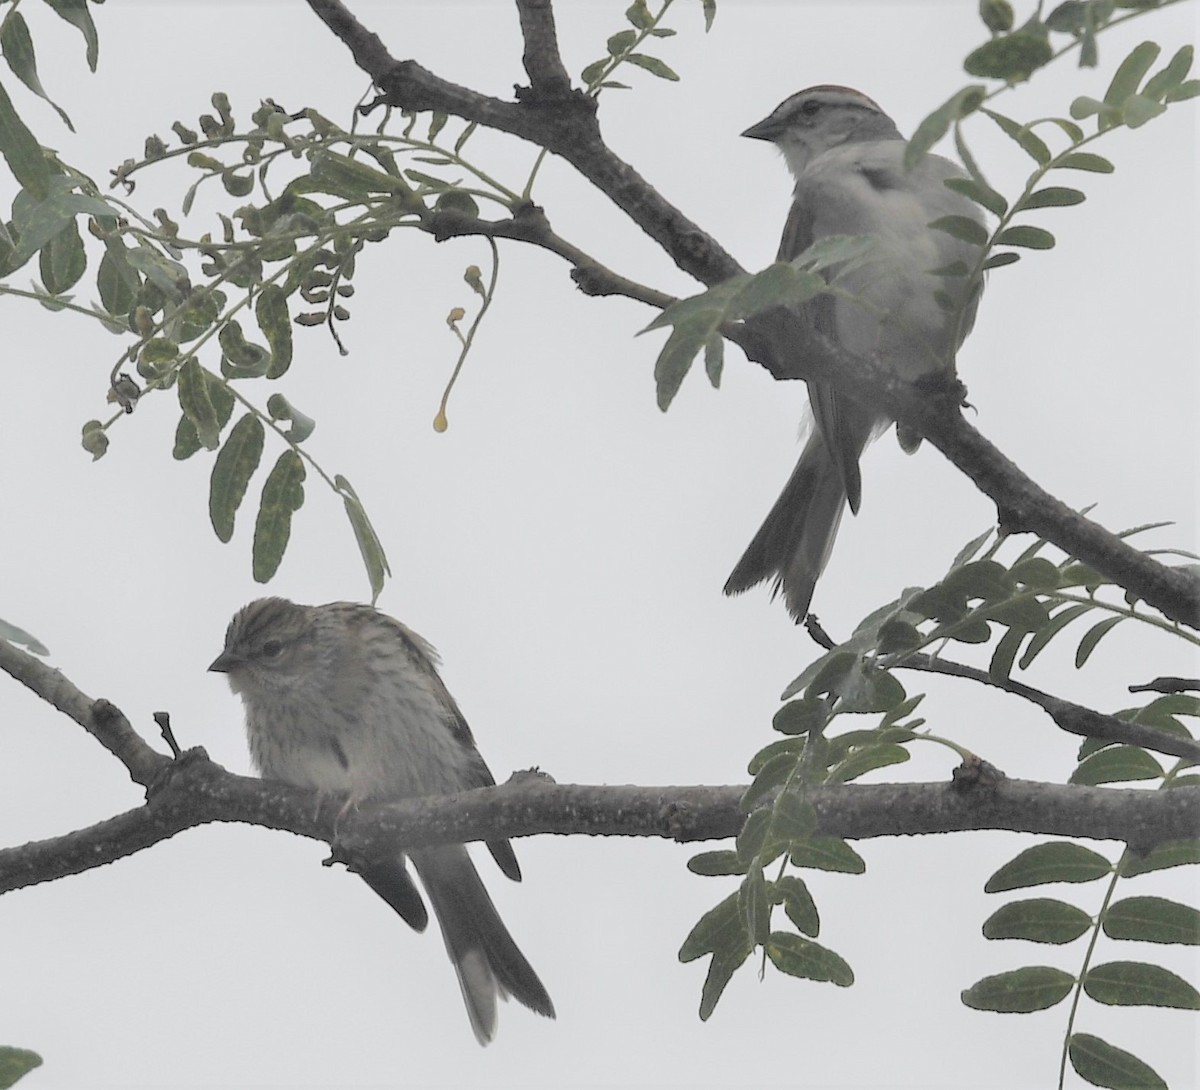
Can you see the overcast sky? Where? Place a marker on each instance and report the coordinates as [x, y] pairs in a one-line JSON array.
[[564, 546]]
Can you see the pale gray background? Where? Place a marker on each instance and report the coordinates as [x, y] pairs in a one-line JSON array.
[[564, 545]]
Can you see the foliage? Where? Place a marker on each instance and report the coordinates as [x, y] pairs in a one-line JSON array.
[[1023, 606], [214, 316]]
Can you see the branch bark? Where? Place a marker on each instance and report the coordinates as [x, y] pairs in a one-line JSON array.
[[195, 791]]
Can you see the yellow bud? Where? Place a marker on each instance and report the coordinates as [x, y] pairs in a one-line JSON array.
[[440, 423], [457, 314]]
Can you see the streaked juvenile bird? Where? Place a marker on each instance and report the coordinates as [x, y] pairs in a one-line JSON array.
[[343, 699]]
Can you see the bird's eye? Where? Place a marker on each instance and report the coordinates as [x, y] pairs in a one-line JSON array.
[[272, 649]]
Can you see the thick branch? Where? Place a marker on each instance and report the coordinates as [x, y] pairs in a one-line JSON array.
[[564, 124], [195, 791]]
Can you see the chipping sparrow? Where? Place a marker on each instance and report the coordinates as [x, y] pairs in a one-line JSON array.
[[344, 699], [895, 307]]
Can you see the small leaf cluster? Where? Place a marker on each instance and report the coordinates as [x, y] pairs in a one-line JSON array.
[[1053, 921], [1027, 602], [284, 258], [781, 826], [696, 322], [1134, 97], [1013, 55], [626, 46]]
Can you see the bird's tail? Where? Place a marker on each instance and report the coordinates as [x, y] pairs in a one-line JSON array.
[[484, 954], [793, 545]]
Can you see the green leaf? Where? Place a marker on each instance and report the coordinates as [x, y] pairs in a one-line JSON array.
[[1037, 573], [980, 193], [779, 284], [1085, 160], [271, 312], [13, 634], [369, 546], [1102, 1064], [1052, 196], [62, 260], [280, 408], [721, 932], [282, 495], [755, 906], [1130, 73], [1116, 764], [76, 13], [794, 746], [1174, 853], [1000, 666], [1153, 919], [232, 469], [963, 228], [714, 359], [22, 152], [1040, 919], [999, 260], [829, 854], [1011, 57], [17, 47], [1171, 75], [1092, 637], [241, 358], [714, 930], [196, 404], [716, 864], [800, 957], [1033, 988], [1031, 238], [793, 818], [187, 442], [753, 835], [652, 65], [620, 42], [1028, 141], [15, 1064], [687, 339], [94, 440], [638, 13], [116, 281], [934, 127], [1058, 861], [1137, 984], [772, 774], [866, 759], [1139, 109], [797, 902]]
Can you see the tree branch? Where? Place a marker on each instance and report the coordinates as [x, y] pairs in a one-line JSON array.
[[102, 720], [195, 791], [543, 64], [1071, 717]]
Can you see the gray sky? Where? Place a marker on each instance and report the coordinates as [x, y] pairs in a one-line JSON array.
[[564, 545]]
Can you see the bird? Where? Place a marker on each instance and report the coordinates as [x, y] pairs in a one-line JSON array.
[[342, 698], [897, 305]]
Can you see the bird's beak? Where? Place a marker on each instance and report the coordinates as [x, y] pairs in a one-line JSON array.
[[224, 663], [767, 129]]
